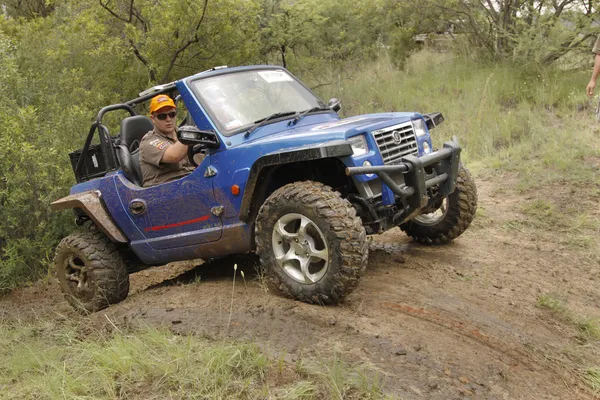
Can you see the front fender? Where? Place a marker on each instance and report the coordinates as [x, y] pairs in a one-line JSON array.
[[335, 149], [90, 202]]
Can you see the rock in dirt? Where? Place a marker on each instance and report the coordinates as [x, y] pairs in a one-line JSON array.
[[401, 351]]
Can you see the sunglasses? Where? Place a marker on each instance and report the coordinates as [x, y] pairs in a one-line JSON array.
[[164, 116]]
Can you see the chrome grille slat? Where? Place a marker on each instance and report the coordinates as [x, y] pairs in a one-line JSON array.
[[407, 129], [402, 146], [402, 132], [391, 150], [390, 138], [401, 153]]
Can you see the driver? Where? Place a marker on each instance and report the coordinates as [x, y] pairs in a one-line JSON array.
[[162, 157]]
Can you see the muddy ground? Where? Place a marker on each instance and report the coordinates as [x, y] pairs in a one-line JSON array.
[[455, 321]]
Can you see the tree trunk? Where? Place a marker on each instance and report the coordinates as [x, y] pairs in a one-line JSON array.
[[283, 62]]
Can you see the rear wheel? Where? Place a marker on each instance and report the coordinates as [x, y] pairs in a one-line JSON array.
[[90, 271], [311, 243], [451, 218]]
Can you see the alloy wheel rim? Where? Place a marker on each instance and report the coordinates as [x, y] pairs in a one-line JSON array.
[[435, 217], [300, 248], [76, 274]]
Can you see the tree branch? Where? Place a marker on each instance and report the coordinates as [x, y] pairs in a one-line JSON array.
[[184, 46], [114, 14], [143, 60], [131, 11], [491, 10], [564, 48]]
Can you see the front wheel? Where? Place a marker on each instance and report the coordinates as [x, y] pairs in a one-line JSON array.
[[91, 272], [451, 219], [311, 243]]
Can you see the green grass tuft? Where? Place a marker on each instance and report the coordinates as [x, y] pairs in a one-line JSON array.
[[552, 302], [588, 329], [592, 378], [48, 359]]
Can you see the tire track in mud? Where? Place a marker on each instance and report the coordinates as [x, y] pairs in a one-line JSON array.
[[464, 329], [461, 327], [508, 344]]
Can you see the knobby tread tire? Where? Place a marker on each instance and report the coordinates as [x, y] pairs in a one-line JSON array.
[[108, 279], [342, 228], [462, 205]]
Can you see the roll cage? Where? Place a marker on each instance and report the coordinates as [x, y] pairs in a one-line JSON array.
[[106, 149]]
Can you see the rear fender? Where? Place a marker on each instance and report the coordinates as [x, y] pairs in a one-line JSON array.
[[90, 202]]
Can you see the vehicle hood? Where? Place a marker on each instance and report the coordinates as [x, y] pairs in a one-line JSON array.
[[314, 129]]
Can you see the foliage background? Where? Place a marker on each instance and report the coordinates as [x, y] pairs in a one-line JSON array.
[[523, 64]]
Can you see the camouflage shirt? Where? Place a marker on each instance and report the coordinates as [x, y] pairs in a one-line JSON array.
[[152, 148], [597, 46]]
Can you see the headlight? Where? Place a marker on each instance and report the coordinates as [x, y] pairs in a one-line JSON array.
[[426, 148], [359, 145], [419, 127]]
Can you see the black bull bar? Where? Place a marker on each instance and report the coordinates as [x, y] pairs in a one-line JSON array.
[[445, 162]]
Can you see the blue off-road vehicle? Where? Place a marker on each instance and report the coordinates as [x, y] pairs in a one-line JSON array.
[[282, 176]]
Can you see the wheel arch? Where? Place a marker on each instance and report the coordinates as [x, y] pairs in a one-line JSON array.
[[272, 171], [90, 202]]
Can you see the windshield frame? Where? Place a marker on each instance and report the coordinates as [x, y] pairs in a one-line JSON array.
[[215, 120]]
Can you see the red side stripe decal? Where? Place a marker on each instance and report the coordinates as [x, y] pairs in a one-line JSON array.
[[176, 224]]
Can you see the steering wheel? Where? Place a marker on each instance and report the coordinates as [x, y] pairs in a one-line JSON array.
[[192, 151]]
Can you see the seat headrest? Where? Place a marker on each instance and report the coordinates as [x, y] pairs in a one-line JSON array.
[[133, 130]]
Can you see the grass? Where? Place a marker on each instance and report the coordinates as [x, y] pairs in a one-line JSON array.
[[537, 123], [587, 335], [592, 378], [534, 124], [567, 219], [544, 214], [553, 303], [65, 359], [588, 329]]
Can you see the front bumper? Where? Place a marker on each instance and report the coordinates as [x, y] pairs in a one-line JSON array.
[[445, 163]]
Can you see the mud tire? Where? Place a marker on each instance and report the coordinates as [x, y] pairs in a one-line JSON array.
[[343, 230], [106, 277], [462, 205]]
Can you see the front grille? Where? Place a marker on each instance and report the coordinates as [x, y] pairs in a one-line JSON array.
[[395, 142]]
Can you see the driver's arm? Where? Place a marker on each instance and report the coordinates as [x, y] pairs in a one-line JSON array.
[[174, 153]]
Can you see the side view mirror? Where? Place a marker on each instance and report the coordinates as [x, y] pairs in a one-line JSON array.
[[335, 104], [433, 119], [190, 135]]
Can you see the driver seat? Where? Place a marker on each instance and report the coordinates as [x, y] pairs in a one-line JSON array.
[[133, 130]]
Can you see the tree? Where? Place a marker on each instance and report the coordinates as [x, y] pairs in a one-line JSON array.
[[544, 30], [288, 26], [182, 33], [28, 8]]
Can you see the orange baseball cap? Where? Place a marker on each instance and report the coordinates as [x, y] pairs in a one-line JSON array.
[[161, 101]]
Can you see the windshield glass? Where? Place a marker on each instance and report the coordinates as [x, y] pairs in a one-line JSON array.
[[235, 101]]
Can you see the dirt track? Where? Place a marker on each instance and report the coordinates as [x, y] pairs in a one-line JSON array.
[[438, 322]]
